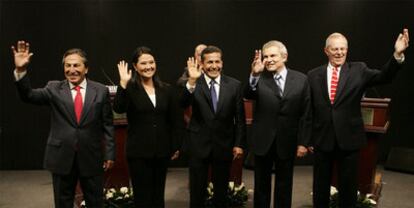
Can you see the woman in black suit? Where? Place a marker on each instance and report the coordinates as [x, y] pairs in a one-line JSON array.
[[151, 113]]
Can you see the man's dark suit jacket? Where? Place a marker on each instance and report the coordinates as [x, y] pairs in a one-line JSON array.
[[66, 136], [151, 130], [284, 118], [215, 133], [343, 119]]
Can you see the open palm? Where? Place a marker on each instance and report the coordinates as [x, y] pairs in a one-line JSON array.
[[21, 55], [124, 73], [194, 72]]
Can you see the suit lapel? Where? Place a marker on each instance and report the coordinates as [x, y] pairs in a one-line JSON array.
[[89, 98], [67, 100], [289, 83], [324, 83], [343, 77], [270, 82]]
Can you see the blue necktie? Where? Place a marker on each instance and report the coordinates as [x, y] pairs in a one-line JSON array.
[[213, 94]]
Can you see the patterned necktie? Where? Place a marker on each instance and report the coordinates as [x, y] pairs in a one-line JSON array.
[[213, 94], [334, 84], [78, 103], [279, 84]]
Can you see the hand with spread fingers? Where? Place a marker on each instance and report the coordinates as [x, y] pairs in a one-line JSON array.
[[22, 55], [124, 73], [194, 71], [257, 65]]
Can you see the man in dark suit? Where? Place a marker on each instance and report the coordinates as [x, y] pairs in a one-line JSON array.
[[338, 129], [217, 126], [281, 124], [81, 118]]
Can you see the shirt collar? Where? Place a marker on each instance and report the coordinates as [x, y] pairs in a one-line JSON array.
[[282, 73], [82, 84], [330, 67], [208, 79]]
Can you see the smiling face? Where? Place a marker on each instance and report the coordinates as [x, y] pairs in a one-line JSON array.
[[212, 64], [336, 49], [74, 68], [145, 66], [273, 59]]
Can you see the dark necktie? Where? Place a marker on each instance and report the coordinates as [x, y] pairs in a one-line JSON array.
[[213, 94], [334, 84], [78, 103]]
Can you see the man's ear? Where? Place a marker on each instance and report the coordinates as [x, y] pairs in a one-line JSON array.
[[285, 57], [326, 51]]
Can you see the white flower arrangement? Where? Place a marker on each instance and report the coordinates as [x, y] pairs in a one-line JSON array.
[[114, 198], [363, 201], [236, 194]]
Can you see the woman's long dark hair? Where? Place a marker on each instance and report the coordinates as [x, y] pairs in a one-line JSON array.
[[135, 78]]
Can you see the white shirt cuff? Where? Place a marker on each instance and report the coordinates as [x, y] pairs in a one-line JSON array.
[[190, 88], [400, 59], [19, 75]]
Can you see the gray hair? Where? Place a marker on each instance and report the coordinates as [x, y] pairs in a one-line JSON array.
[[334, 36], [278, 44]]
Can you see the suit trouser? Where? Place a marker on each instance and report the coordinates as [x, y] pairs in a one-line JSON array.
[[64, 187], [347, 169], [148, 177], [263, 168], [220, 172]]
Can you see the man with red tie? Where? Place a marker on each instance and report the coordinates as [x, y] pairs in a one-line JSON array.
[[81, 120], [337, 129]]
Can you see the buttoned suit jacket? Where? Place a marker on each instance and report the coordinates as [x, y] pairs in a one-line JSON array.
[[341, 122], [285, 120], [91, 140], [152, 131], [215, 133]]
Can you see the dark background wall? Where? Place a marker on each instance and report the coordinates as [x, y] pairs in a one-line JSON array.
[[110, 30]]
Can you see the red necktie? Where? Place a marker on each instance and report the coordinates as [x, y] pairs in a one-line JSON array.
[[334, 84], [78, 103]]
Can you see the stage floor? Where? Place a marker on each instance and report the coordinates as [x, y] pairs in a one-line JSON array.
[[33, 189]]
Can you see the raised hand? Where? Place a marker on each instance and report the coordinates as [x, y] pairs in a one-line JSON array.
[[21, 55], [401, 43], [257, 65], [194, 71], [124, 73]]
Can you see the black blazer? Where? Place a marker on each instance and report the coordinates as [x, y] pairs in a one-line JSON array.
[[217, 133], [150, 129], [286, 119], [66, 136], [343, 119]]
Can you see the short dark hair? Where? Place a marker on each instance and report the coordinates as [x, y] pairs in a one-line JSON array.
[[211, 49], [78, 51]]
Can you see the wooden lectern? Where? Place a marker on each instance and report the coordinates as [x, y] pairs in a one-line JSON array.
[[375, 113]]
